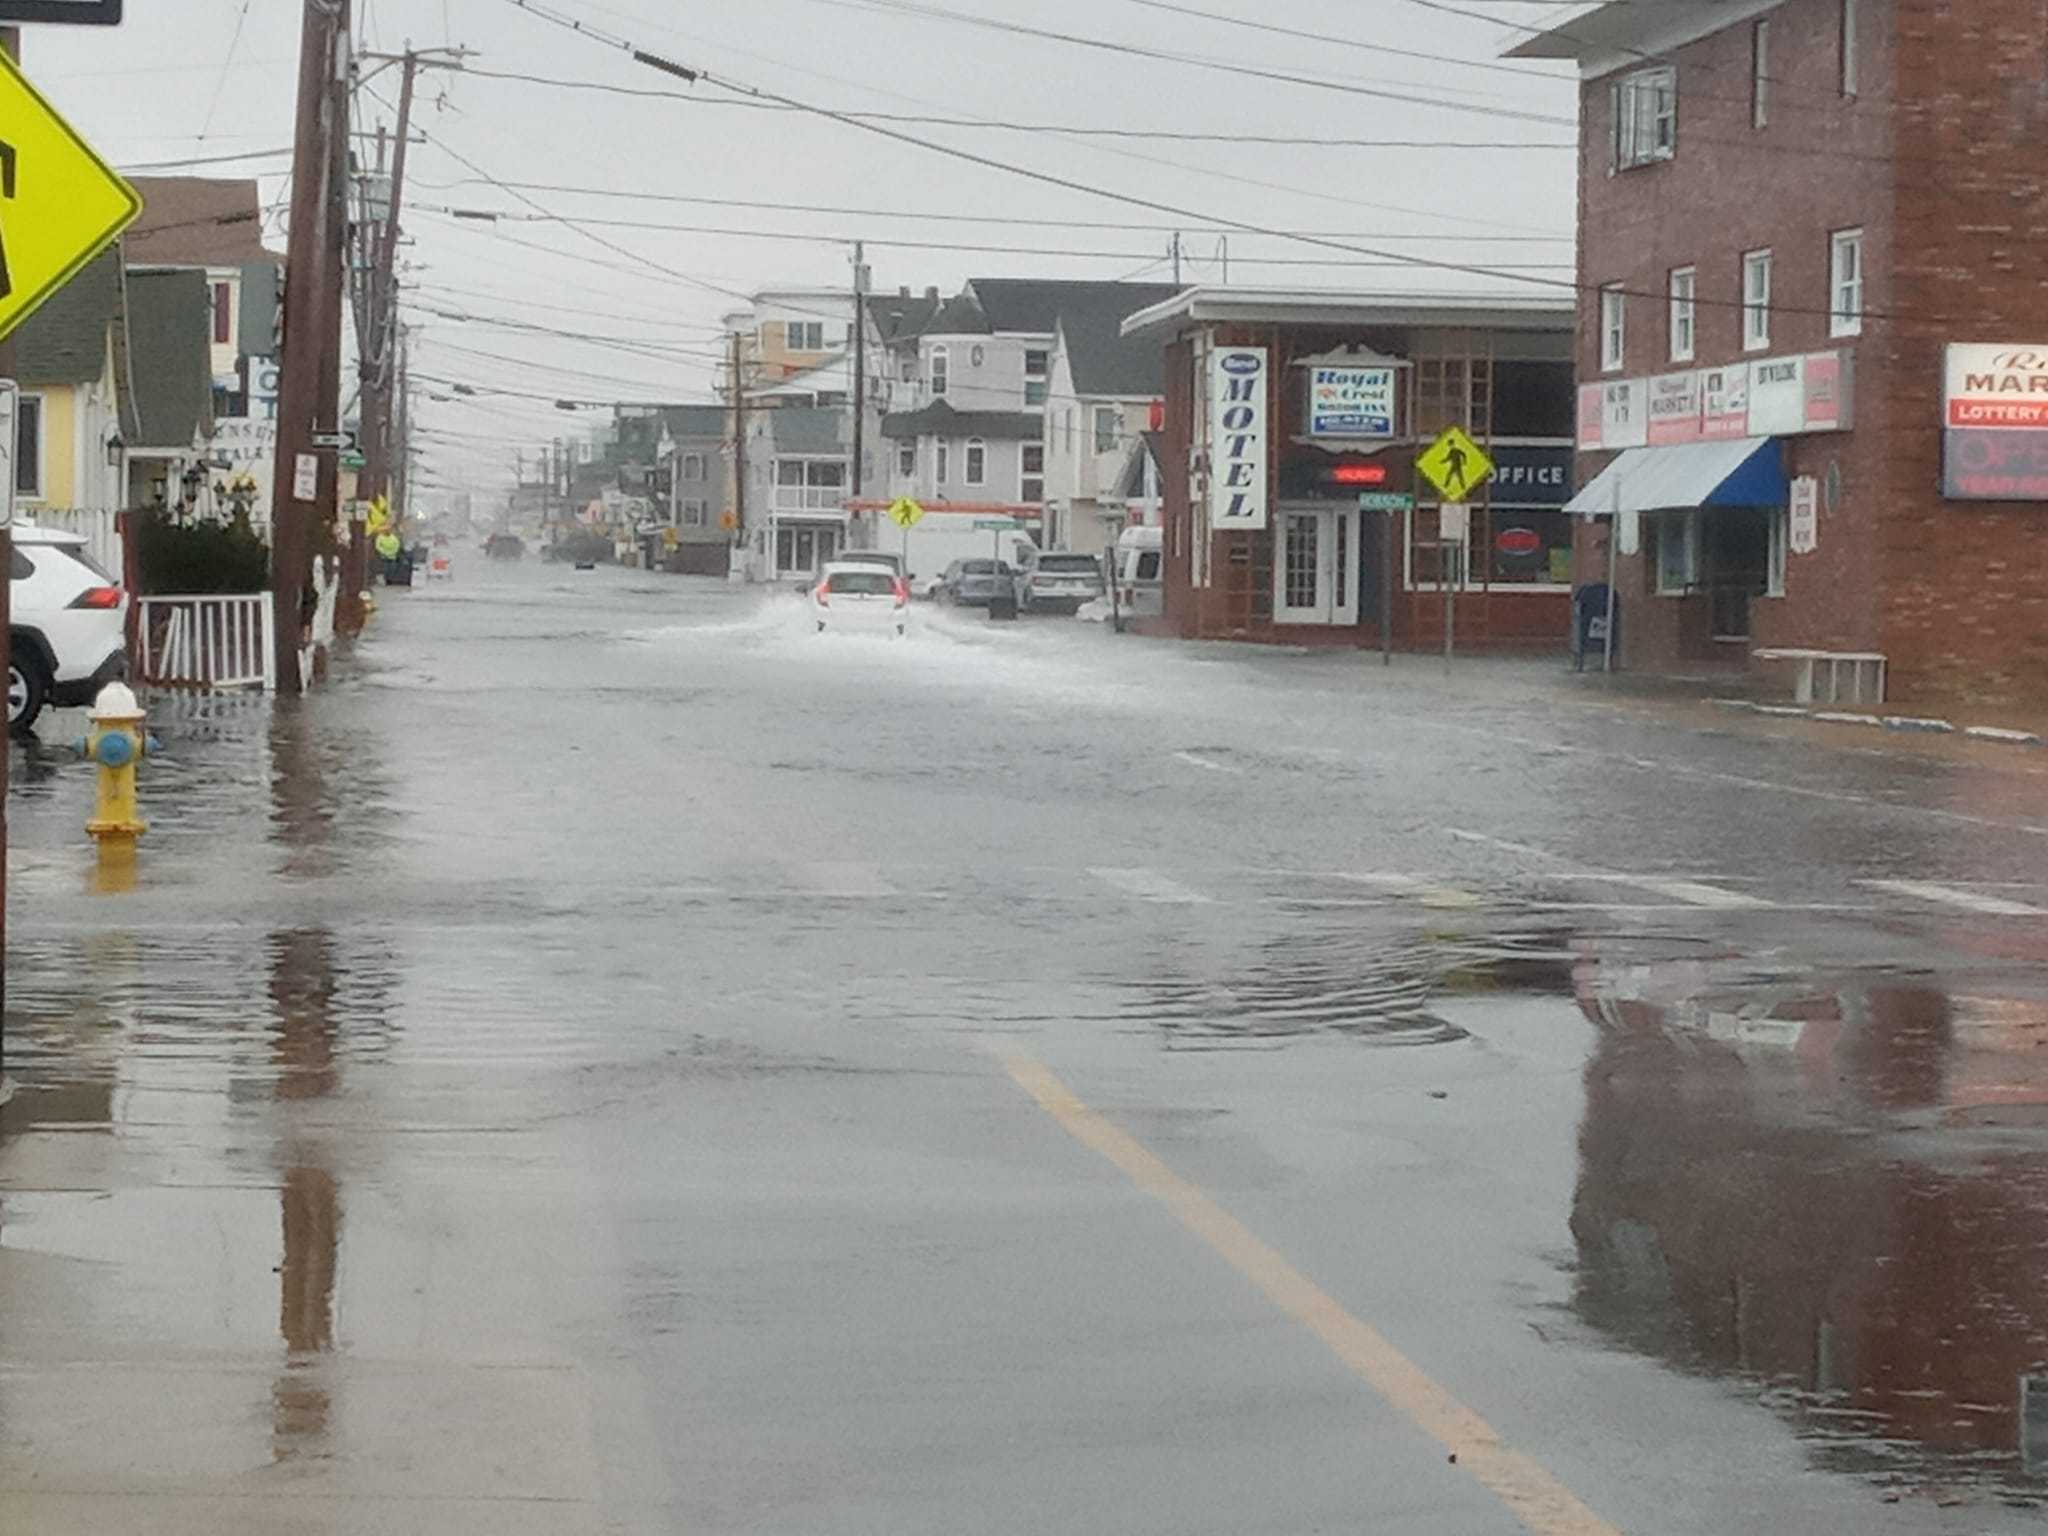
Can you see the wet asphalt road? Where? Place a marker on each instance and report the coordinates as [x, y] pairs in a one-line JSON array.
[[616, 1061]]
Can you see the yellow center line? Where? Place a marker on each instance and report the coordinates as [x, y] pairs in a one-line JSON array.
[[1531, 1493]]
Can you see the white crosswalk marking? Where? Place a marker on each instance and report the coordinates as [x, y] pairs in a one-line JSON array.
[[1691, 892], [1150, 885], [1957, 896], [847, 881]]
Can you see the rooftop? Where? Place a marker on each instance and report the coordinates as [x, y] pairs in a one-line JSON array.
[[1608, 34], [1032, 306], [1555, 310], [65, 341], [195, 221]]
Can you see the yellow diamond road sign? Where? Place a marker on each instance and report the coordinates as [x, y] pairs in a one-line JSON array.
[[60, 204], [1455, 465], [905, 513]]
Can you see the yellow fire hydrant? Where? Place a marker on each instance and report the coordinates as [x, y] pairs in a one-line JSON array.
[[117, 743]]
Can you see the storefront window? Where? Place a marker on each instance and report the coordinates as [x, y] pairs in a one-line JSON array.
[[1677, 535], [1512, 549]]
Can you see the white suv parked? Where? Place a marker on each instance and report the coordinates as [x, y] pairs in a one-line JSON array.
[[68, 629]]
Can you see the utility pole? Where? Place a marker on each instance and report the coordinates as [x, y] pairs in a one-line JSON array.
[[860, 364], [10, 44], [315, 270], [400, 434], [1176, 258], [739, 448]]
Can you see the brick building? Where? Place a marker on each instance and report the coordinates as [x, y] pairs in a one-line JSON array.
[[1285, 409], [1792, 215]]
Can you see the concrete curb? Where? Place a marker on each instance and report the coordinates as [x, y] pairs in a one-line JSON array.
[[1914, 723]]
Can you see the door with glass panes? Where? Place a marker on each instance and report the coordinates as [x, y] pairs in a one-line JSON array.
[[1315, 565]]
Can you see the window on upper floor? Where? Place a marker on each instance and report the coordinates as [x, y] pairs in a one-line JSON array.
[[1684, 290], [1108, 428], [906, 459], [907, 369], [1849, 19], [1645, 106], [223, 313], [1845, 283], [1613, 328], [942, 362], [1756, 301], [693, 466], [1032, 487], [804, 335], [1759, 73], [1037, 369], [977, 461], [28, 446]]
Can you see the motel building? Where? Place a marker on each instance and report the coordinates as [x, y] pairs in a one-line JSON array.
[[1293, 511], [1813, 341]]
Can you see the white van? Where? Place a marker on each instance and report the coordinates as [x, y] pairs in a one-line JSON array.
[[1140, 573]]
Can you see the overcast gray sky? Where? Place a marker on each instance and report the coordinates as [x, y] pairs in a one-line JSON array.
[[177, 81]]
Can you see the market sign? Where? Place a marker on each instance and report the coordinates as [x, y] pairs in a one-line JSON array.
[[1766, 397], [1674, 409], [1611, 414], [1237, 439], [1350, 402], [1995, 423]]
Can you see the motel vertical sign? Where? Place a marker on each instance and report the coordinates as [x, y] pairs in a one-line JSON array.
[[1238, 422]]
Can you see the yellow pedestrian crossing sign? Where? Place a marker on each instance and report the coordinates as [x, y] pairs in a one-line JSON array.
[[1455, 465], [905, 513], [60, 203]]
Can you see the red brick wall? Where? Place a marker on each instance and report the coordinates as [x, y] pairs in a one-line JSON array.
[[1966, 583], [1822, 163]]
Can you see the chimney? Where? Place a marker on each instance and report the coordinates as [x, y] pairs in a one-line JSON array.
[[903, 292], [932, 294]]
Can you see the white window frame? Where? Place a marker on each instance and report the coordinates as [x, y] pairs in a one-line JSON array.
[[1038, 377], [1613, 328], [693, 466], [26, 402], [1845, 283], [1645, 113], [976, 461], [696, 514], [1684, 323], [1027, 473], [1849, 40], [942, 461], [1756, 300], [941, 372], [906, 459], [1685, 578], [1109, 414], [1760, 73], [796, 335]]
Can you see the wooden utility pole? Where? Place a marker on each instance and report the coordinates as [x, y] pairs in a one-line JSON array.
[[860, 364], [10, 43], [315, 272], [739, 450]]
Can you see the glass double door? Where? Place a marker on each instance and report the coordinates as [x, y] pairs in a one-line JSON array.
[[1316, 565]]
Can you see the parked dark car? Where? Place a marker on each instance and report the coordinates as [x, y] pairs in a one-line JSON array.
[[977, 583]]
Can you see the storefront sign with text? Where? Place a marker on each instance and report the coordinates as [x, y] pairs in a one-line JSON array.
[[1237, 439]]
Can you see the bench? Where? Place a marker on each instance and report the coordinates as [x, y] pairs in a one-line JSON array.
[[1808, 664]]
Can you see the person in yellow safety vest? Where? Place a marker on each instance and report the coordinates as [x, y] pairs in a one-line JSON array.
[[389, 548]]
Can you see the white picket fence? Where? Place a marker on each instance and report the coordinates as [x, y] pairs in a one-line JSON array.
[[220, 640]]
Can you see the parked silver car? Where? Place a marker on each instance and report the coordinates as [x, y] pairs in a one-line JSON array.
[[977, 583], [1061, 583]]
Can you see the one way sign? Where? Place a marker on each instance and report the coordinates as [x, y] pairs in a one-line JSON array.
[[60, 204]]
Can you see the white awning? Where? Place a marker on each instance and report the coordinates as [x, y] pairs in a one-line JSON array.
[[1741, 472]]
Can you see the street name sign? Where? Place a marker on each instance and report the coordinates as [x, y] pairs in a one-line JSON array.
[[60, 203], [1455, 465], [1385, 501], [905, 513], [996, 524]]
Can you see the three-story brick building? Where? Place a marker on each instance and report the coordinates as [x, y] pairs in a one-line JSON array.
[[1797, 218]]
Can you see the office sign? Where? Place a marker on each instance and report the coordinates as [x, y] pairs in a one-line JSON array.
[[1238, 418], [1531, 476], [1995, 423], [1350, 402]]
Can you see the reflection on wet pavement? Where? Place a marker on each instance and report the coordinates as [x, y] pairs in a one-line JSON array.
[[1764, 1196]]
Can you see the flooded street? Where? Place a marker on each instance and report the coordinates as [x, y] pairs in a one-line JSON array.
[[617, 1060]]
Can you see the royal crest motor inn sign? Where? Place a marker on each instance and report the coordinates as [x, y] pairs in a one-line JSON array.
[[1995, 423]]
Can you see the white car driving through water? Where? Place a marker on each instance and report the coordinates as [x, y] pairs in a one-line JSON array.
[[852, 595]]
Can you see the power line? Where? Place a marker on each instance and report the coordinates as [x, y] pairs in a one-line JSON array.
[[1024, 221], [1073, 130], [227, 65], [1469, 269]]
